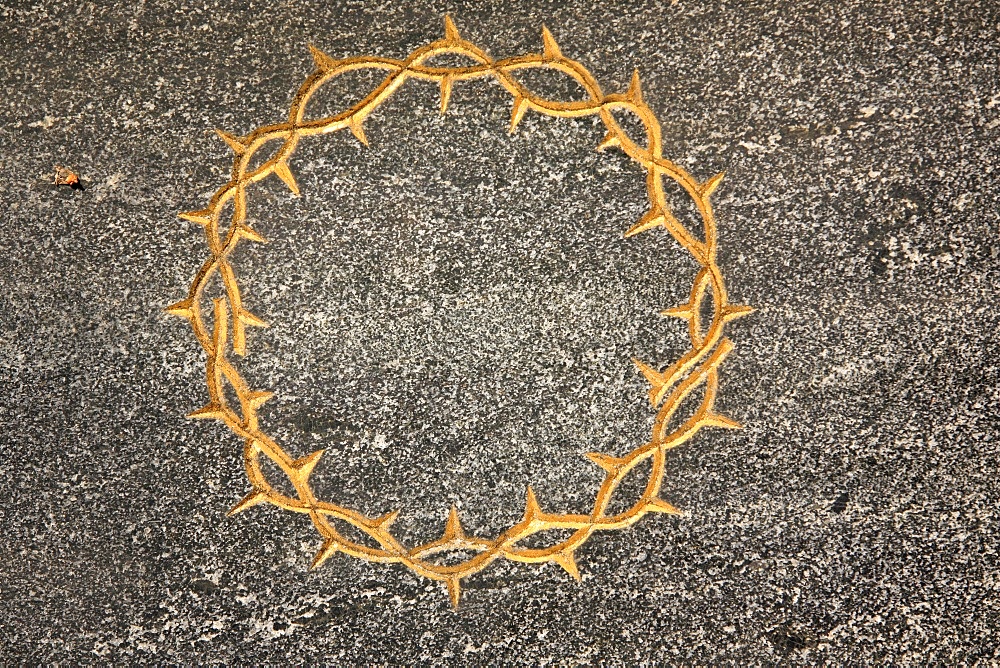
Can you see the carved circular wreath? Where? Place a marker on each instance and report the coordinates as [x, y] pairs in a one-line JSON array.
[[698, 366]]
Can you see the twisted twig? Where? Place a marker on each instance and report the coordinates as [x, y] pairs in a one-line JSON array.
[[669, 387]]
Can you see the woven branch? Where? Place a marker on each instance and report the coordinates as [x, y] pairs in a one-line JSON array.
[[669, 387]]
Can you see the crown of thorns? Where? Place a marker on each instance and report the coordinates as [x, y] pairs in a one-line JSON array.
[[697, 367]]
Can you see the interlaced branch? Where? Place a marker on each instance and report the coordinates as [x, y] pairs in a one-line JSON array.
[[699, 366]]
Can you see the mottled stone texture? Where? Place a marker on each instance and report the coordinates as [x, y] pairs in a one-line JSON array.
[[454, 311]]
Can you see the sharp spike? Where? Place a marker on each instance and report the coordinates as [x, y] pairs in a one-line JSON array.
[[649, 221], [683, 311], [531, 508], [552, 51], [248, 501], [734, 311], [517, 113], [209, 412], [568, 562], [358, 130], [248, 318], [606, 462], [330, 547], [238, 147], [305, 465], [634, 88], [203, 217], [708, 187], [661, 506], [715, 420], [454, 591], [450, 31], [248, 232], [386, 520], [181, 308], [725, 347], [258, 399], [323, 61], [610, 140], [446, 82], [653, 377], [453, 529], [285, 174]]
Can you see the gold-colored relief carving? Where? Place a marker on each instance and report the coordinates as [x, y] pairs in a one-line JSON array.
[[699, 366]]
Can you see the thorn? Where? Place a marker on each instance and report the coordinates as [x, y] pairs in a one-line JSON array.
[[323, 61], [606, 462], [248, 232], [552, 51], [610, 140], [732, 312], [708, 187], [248, 318], [716, 420], [248, 501], [568, 562], [285, 174], [450, 31], [725, 347], [454, 591], [329, 549], [683, 311], [305, 465], [531, 507], [203, 217], [258, 399], [517, 113], [634, 89], [181, 308], [652, 219], [386, 520], [209, 412], [661, 506], [446, 82], [453, 529], [238, 147], [359, 132], [653, 377]]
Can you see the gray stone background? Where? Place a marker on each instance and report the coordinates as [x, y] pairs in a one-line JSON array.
[[454, 311]]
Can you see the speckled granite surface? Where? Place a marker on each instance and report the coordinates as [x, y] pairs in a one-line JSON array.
[[454, 311]]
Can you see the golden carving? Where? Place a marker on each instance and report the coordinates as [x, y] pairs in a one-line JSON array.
[[698, 366]]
